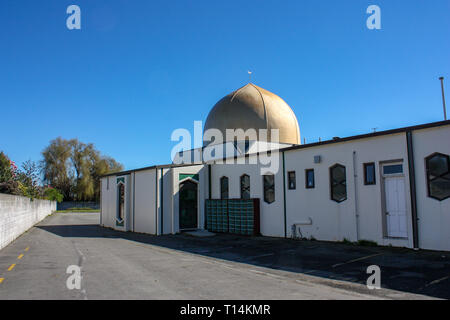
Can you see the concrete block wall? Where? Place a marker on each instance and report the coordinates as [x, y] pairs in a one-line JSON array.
[[18, 214]]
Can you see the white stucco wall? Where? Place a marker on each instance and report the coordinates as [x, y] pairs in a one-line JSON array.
[[434, 215], [145, 197], [334, 221], [145, 210], [18, 214], [331, 221], [167, 203], [109, 202], [271, 215]]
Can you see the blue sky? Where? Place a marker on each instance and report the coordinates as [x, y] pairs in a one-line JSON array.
[[137, 70]]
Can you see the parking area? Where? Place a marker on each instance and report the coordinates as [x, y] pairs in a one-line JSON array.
[[419, 272], [123, 265]]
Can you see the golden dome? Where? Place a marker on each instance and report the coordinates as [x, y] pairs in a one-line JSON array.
[[257, 108]]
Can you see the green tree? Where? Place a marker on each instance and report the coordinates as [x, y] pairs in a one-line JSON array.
[[6, 173], [103, 166], [56, 166], [53, 195], [28, 178], [8, 183], [75, 168], [83, 158]]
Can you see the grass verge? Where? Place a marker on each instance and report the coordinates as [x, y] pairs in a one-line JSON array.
[[77, 210]]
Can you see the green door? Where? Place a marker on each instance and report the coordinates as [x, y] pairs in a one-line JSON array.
[[188, 205]]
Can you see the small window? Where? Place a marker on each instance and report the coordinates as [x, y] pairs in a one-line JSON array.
[[393, 169], [224, 188], [438, 176], [246, 145], [269, 188], [245, 187], [369, 174], [309, 179], [292, 183], [121, 201], [338, 183]]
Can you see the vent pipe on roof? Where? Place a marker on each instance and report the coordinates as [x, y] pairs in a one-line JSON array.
[[443, 97]]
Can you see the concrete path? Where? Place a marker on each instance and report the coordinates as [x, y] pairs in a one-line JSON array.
[[119, 265]]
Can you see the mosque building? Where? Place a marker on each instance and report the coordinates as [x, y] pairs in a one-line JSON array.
[[390, 187]]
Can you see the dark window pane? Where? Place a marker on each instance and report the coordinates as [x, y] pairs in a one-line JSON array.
[[393, 169], [121, 201], [224, 188], [338, 183], [245, 187], [369, 173], [438, 165], [310, 179], [247, 145], [438, 176], [338, 174], [440, 188], [339, 193], [291, 180], [269, 188]]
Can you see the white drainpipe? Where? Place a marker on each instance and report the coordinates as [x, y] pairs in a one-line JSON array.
[[355, 176]]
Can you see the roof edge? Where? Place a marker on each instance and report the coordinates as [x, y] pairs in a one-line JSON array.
[[162, 166], [370, 135], [302, 146]]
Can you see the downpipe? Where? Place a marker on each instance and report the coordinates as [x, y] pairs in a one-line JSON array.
[[355, 187]]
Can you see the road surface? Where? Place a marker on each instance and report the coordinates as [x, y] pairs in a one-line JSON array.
[[117, 265]]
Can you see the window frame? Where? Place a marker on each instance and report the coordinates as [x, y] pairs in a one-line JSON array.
[[248, 188], [289, 180], [269, 187], [340, 183], [228, 187], [428, 174], [393, 164], [367, 183], [306, 179]]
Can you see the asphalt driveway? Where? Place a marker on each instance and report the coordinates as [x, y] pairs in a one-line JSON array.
[[118, 265]]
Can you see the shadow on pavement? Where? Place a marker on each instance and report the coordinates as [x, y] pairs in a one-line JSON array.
[[419, 272]]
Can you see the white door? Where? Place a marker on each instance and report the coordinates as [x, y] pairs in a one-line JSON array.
[[395, 206]]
